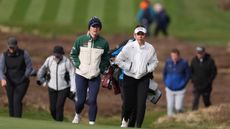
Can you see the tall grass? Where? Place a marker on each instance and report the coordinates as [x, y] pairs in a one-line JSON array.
[[215, 117]]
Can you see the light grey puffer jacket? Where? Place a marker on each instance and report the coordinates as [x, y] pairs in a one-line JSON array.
[[57, 73]]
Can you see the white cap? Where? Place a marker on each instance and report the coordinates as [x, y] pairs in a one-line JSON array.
[[140, 29]]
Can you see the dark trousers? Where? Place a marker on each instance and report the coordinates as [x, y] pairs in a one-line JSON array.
[[57, 102], [145, 22], [15, 95], [82, 84], [135, 95], [162, 29], [132, 118], [196, 97]]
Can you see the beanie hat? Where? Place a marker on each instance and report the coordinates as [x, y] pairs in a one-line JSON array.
[[58, 50], [94, 21], [12, 42]]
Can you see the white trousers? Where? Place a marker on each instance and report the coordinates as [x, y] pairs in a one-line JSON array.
[[174, 101]]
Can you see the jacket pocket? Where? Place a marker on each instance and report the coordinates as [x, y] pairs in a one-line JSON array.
[[84, 55], [96, 55]]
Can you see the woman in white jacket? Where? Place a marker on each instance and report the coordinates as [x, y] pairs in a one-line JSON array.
[[138, 59], [60, 77]]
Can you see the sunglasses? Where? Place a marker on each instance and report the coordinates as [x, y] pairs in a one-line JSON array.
[[140, 33]]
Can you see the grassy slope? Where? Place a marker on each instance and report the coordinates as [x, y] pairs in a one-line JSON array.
[[196, 20], [215, 117], [12, 123], [35, 114]]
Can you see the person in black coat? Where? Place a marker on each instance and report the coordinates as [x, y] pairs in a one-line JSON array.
[[204, 71]]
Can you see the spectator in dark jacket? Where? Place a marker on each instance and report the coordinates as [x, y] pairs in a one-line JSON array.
[[15, 69], [176, 76], [162, 20], [203, 73]]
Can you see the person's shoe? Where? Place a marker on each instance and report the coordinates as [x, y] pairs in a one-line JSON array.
[[76, 119], [91, 122], [124, 124]]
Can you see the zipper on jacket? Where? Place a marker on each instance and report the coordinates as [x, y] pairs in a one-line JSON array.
[[90, 50], [57, 75]]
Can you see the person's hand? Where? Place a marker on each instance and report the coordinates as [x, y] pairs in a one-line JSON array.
[[112, 59], [39, 82], [3, 83], [71, 95]]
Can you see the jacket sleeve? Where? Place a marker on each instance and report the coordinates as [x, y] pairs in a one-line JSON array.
[[2, 67], [28, 63], [192, 69], [104, 58], [139, 15], [74, 54], [70, 69], [213, 70], [187, 74], [42, 71], [152, 64], [122, 59], [165, 71]]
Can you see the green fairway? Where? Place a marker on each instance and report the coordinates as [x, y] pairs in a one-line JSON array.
[[14, 123], [196, 20], [199, 20]]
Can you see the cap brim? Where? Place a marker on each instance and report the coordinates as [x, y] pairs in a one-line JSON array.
[[12, 45], [199, 52], [140, 29], [95, 24]]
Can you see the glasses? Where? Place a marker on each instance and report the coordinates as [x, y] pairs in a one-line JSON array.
[[140, 33]]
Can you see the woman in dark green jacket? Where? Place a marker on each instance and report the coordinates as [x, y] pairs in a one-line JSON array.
[[90, 56]]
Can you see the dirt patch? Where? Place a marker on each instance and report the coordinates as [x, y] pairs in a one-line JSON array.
[[224, 4], [108, 103]]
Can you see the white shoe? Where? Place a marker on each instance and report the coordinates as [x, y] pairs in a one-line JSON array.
[[124, 124], [76, 119], [91, 122]]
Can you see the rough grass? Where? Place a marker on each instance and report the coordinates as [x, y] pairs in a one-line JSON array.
[[215, 117]]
